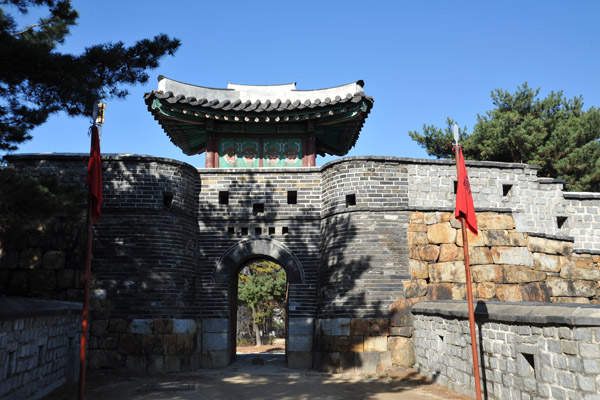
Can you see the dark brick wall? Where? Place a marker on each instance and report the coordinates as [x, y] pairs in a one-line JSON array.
[[221, 226], [364, 251]]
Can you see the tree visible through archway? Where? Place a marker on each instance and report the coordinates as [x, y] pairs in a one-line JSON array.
[[261, 300]]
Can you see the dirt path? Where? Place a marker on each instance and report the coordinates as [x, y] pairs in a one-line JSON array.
[[260, 349]]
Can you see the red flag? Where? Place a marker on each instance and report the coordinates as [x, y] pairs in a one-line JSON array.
[[464, 199], [94, 174]]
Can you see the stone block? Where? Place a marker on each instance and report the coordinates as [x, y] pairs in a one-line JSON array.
[[99, 327], [400, 314], [143, 326], [130, 344], [417, 228], [42, 280], [549, 246], [215, 325], [214, 359], [520, 274], [330, 362], [405, 331], [536, 291], [480, 255], [415, 288], [418, 269], [431, 218], [512, 255], [136, 363], [485, 290], [509, 293], [300, 342], [459, 291], [156, 364], [375, 343], [105, 359], [367, 362], [441, 233], [403, 352], [300, 359], [474, 240], [117, 326], [439, 291], [172, 364], [212, 341], [582, 268], [163, 326], [486, 273], [360, 326], [349, 344], [517, 239], [416, 217], [447, 272], [496, 238], [54, 259], [493, 221], [335, 326], [424, 253], [548, 262], [30, 259], [152, 344], [301, 326], [346, 362], [571, 288], [450, 252], [65, 278], [185, 326], [417, 238], [18, 282]]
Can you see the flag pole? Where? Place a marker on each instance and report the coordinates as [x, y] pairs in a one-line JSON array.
[[468, 280], [86, 299], [94, 183]]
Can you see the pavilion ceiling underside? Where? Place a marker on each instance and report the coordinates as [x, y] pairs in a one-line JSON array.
[[336, 122]]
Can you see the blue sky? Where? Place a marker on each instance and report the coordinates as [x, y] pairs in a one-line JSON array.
[[422, 61]]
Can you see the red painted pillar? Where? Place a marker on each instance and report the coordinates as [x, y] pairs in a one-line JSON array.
[[311, 150], [210, 152]]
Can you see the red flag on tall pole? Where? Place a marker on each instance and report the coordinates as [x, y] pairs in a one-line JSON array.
[[464, 199], [465, 213], [94, 174], [94, 182]]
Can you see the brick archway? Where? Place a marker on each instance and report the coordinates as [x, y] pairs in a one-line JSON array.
[[247, 249]]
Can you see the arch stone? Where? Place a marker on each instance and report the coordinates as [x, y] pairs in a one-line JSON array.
[[247, 249]]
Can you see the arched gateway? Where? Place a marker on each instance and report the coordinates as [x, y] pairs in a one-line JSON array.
[[226, 272]]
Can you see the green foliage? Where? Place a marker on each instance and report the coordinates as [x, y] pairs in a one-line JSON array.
[[26, 201], [37, 81], [554, 132], [262, 287]]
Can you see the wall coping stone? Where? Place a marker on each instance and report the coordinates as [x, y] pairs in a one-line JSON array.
[[550, 181], [105, 157], [522, 313], [552, 237], [582, 195], [22, 307], [584, 251], [406, 160]]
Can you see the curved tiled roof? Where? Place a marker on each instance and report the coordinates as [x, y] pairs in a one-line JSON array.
[[338, 113], [256, 98]]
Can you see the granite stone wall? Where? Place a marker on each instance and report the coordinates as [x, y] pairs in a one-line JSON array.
[[525, 350], [361, 236], [506, 265], [39, 346]]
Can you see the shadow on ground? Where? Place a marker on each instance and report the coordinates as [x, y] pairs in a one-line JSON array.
[[271, 380]]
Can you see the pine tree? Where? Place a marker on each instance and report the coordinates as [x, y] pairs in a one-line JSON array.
[[37, 80], [554, 132]]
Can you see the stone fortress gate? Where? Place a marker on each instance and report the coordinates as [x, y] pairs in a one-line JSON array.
[[357, 237]]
